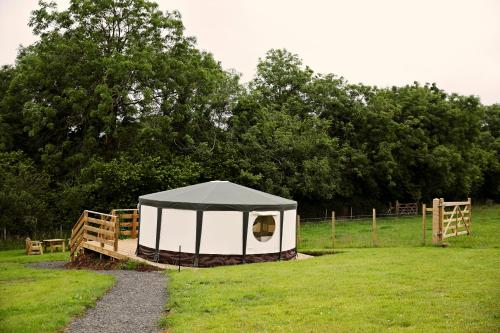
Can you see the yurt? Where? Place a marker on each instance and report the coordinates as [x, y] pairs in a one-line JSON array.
[[216, 223]]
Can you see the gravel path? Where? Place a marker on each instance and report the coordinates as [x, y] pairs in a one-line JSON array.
[[134, 303]]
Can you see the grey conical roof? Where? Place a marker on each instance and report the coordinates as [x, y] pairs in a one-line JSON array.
[[217, 195]]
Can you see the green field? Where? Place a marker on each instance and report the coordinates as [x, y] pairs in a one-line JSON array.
[[42, 300], [398, 286], [397, 232], [410, 289], [360, 290]]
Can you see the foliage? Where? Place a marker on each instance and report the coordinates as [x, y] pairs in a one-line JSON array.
[[25, 194], [114, 101], [119, 182]]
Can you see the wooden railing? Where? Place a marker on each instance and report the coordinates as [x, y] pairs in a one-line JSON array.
[[128, 221], [94, 226], [450, 219]]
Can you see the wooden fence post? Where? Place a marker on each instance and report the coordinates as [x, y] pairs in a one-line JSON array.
[[441, 219], [424, 213], [85, 217], [297, 241], [469, 208], [397, 207], [133, 232], [436, 221], [333, 231], [117, 232], [374, 227]]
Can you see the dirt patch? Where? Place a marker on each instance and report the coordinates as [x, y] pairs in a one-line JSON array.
[[92, 261]]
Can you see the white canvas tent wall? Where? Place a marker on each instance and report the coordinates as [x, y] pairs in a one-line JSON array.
[[212, 224]]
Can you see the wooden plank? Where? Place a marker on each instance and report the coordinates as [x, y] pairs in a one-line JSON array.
[[76, 236], [441, 216], [101, 214], [79, 220], [78, 226], [450, 212], [100, 239], [101, 222], [455, 203], [127, 216], [125, 232], [100, 230], [117, 233], [76, 241], [126, 224], [428, 209], [449, 221], [469, 208], [460, 219], [104, 251], [453, 235], [84, 235]]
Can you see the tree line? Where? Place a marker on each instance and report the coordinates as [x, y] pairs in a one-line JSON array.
[[115, 101]]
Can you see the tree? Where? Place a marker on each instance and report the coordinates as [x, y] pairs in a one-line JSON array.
[[489, 140], [281, 146], [25, 195]]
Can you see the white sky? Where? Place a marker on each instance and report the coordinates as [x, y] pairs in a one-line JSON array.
[[385, 42]]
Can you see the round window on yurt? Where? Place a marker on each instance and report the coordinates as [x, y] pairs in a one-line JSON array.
[[263, 228]]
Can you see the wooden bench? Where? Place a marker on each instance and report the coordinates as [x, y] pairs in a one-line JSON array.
[[33, 247]]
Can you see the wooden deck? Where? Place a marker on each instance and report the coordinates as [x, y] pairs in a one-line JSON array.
[[101, 233], [126, 251]]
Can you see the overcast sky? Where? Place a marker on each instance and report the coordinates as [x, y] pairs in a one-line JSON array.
[[385, 42]]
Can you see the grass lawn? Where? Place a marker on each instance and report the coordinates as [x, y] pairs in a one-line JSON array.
[[360, 290], [40, 300], [410, 289], [398, 232]]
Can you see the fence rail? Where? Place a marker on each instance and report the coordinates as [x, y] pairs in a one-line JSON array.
[[384, 230], [128, 220], [94, 226]]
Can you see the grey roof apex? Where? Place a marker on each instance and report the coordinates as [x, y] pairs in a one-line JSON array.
[[217, 195]]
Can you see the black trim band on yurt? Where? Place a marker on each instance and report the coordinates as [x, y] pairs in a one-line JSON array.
[[212, 260], [214, 207], [240, 225]]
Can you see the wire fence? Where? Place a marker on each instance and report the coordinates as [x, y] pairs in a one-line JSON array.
[[360, 231], [10, 242]]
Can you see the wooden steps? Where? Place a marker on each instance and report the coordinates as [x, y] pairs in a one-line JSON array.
[[101, 233]]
